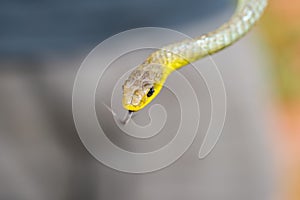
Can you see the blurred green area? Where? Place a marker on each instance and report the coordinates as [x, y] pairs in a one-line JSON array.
[[281, 31]]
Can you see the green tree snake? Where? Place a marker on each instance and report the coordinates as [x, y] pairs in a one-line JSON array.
[[146, 81]]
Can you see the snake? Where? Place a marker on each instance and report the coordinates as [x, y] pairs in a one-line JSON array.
[[146, 81]]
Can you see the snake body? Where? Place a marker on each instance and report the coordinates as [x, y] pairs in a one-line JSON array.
[[146, 81]]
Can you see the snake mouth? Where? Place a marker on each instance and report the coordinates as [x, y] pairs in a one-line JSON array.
[[134, 101], [132, 104], [131, 108], [127, 104]]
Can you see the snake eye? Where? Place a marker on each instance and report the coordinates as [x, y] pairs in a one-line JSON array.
[[151, 91]]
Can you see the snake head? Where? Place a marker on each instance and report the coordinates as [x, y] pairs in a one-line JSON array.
[[142, 86]]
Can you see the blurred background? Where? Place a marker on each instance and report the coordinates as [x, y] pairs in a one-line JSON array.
[[42, 44]]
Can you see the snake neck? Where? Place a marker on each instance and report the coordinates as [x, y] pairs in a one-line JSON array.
[[177, 55]]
